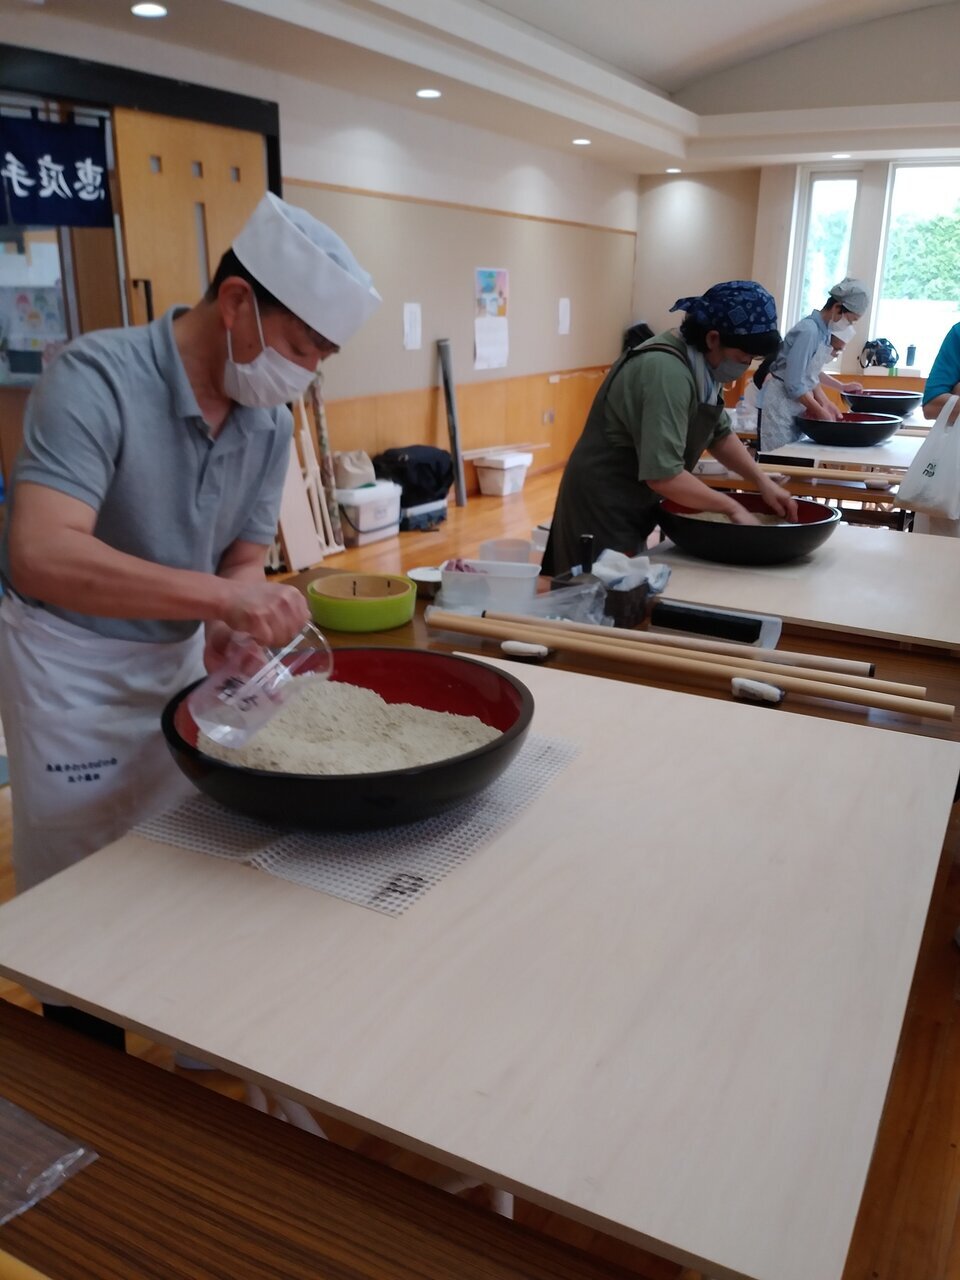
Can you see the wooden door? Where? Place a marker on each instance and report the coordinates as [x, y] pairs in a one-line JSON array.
[[186, 189]]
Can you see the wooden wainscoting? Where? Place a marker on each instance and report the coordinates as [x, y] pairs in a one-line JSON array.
[[542, 408]]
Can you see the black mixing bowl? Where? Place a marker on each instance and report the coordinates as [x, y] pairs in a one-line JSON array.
[[857, 430], [749, 544], [899, 403], [437, 681]]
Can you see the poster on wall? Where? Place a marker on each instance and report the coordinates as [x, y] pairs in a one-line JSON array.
[[33, 329], [53, 175], [491, 339]]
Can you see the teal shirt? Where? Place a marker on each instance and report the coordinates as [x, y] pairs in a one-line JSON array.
[[945, 373]]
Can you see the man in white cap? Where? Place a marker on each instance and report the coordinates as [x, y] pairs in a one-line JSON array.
[[793, 385], [142, 505]]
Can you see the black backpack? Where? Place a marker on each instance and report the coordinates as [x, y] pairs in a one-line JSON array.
[[424, 473], [880, 351]]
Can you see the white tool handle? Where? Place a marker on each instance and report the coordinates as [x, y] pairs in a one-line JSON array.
[[517, 649], [755, 690]]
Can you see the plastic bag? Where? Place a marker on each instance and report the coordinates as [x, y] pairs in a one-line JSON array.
[[34, 1160], [582, 602], [932, 482]]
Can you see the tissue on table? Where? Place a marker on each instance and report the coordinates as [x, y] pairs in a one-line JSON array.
[[618, 572]]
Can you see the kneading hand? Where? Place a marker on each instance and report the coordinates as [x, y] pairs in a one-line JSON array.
[[778, 500], [270, 613], [742, 516]]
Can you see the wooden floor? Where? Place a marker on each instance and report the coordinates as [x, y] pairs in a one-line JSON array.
[[909, 1226]]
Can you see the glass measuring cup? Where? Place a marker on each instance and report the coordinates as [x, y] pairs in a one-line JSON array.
[[238, 699]]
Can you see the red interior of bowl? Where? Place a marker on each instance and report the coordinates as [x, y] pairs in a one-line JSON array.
[[808, 512], [872, 419], [885, 395], [437, 681]]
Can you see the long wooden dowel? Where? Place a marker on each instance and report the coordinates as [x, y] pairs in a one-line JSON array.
[[639, 655], [610, 638], [829, 473], [615, 640], [698, 644]]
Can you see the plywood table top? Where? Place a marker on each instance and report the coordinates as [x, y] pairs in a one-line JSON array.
[[896, 453], [655, 1003], [188, 1184], [862, 581]]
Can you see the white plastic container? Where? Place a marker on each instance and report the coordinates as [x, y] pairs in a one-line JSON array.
[[503, 473], [497, 584], [513, 550], [371, 513]]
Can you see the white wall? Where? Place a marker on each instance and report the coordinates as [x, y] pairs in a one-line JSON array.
[[334, 137], [908, 58], [692, 232]]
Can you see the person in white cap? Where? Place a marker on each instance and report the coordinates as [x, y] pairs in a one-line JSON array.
[[793, 386], [140, 511]]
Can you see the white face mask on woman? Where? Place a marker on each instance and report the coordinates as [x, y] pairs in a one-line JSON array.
[[268, 380], [842, 329]]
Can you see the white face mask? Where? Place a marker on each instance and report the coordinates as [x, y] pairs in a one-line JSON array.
[[842, 329], [267, 381]]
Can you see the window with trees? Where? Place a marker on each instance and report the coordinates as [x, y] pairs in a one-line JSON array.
[[919, 296], [826, 242]]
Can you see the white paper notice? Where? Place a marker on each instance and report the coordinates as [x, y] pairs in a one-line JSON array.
[[563, 317], [412, 326], [491, 342]]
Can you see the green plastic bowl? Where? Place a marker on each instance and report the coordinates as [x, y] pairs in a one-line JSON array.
[[362, 601]]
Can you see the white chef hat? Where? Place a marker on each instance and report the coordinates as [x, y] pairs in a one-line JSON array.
[[852, 294], [307, 267]]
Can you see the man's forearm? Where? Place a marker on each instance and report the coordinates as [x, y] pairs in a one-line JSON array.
[[75, 570]]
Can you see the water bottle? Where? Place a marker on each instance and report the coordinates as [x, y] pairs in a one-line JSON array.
[[911, 356]]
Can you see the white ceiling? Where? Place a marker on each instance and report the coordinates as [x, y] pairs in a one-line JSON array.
[[669, 43], [548, 70]]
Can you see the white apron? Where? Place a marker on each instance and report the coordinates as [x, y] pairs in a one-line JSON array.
[[81, 715], [779, 410]]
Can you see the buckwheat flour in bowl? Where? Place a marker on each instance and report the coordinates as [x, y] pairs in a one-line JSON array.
[[335, 728]]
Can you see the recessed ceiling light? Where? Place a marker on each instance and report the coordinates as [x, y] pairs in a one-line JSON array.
[[149, 10], [429, 93], [673, 171], [581, 142], [841, 155]]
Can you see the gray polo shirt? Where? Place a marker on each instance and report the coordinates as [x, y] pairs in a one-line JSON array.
[[115, 423]]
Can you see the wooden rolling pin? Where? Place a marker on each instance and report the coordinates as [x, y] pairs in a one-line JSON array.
[[556, 637], [698, 644], [613, 639], [830, 473]]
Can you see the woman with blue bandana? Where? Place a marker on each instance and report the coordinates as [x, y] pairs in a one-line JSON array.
[[657, 410], [794, 385]]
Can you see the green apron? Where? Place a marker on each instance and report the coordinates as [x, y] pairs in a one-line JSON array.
[[600, 492]]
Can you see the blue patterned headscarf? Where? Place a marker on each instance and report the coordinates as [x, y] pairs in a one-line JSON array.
[[735, 308]]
